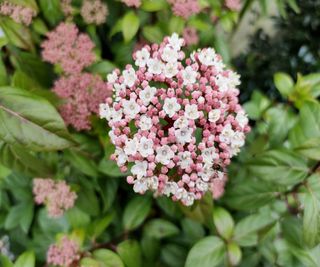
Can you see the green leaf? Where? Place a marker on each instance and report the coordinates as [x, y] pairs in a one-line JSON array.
[[102, 67], [21, 214], [108, 258], [153, 34], [192, 230], [257, 105], [110, 168], [82, 162], [223, 222], [250, 195], [130, 253], [176, 25], [20, 160], [88, 262], [136, 212], [174, 255], [234, 254], [284, 83], [130, 26], [100, 225], [208, 252], [279, 166], [77, 218], [52, 11], [311, 219], [30, 121], [160, 228], [246, 230], [5, 262], [153, 5], [27, 259]]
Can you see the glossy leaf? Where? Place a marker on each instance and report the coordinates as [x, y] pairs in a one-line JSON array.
[[160, 228], [130, 253], [223, 222], [130, 25]]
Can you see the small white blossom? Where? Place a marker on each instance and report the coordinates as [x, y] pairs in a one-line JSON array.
[[209, 155], [242, 119], [112, 77], [140, 169], [140, 186], [105, 111], [207, 56], [155, 66], [131, 146], [207, 173], [227, 134], [116, 115], [117, 88], [181, 122], [169, 54], [171, 69], [130, 77], [191, 112], [153, 183], [130, 108], [201, 185], [189, 199], [183, 135], [145, 147], [147, 94], [171, 106], [175, 42], [189, 75], [214, 115], [142, 56], [145, 123], [121, 156], [184, 159], [164, 154]]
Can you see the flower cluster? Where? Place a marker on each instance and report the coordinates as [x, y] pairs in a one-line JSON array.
[[185, 8], [234, 5], [82, 95], [190, 36], [94, 12], [55, 194], [132, 3], [5, 247], [177, 124], [66, 47], [64, 253], [66, 7], [19, 14]]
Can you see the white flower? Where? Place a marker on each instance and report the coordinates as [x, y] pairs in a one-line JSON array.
[[189, 75], [130, 108], [181, 122], [139, 169], [209, 155], [145, 147], [227, 83], [183, 135], [171, 106], [169, 55], [131, 146], [140, 186], [104, 111], [207, 173], [147, 94], [227, 134], [191, 112], [207, 56], [112, 77], [155, 66], [143, 56], [214, 115], [145, 123], [181, 193], [201, 185], [242, 119], [130, 77], [185, 159], [175, 42], [234, 79], [164, 154], [170, 188], [121, 156], [237, 139], [153, 183], [116, 115], [117, 88], [171, 69], [189, 199]]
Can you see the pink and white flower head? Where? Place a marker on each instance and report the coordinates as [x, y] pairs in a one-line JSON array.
[[65, 253], [94, 12], [185, 8], [20, 14], [177, 121], [132, 3], [56, 195], [234, 5]]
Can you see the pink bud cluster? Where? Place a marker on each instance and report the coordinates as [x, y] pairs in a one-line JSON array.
[[82, 93], [234, 5], [65, 253], [56, 195], [190, 36], [185, 8], [69, 49], [176, 121], [94, 12], [20, 14], [132, 3]]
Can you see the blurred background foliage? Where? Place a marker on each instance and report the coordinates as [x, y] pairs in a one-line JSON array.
[[269, 215]]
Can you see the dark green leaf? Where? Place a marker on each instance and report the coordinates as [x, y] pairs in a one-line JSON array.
[[108, 258], [52, 11], [130, 253], [160, 228]]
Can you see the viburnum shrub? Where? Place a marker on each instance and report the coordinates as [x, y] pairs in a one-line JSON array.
[[175, 122]]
